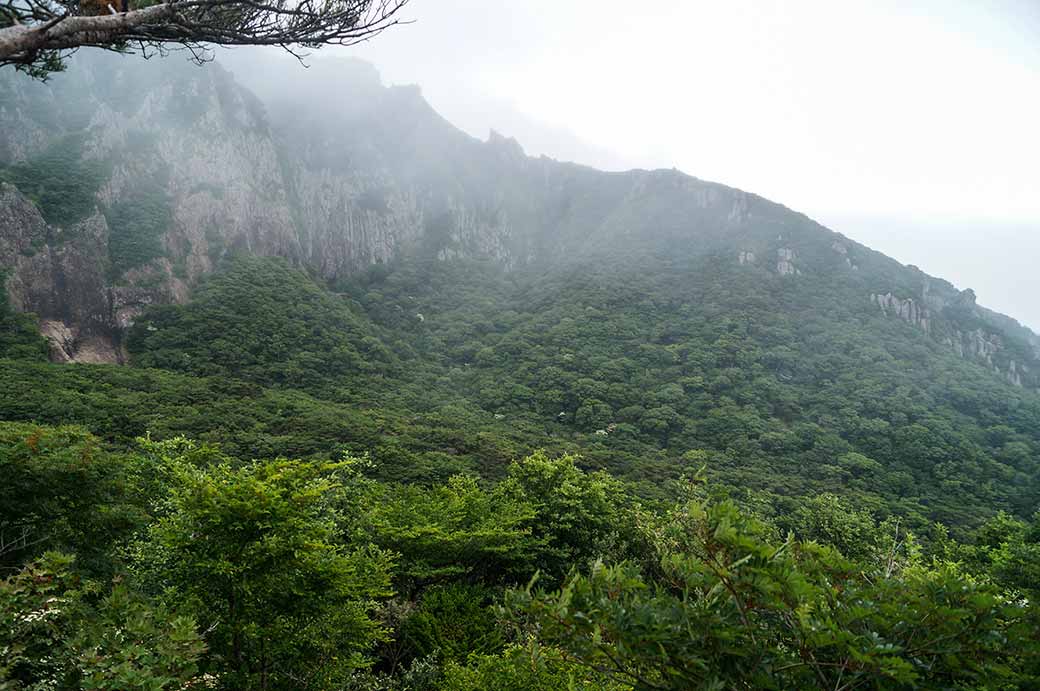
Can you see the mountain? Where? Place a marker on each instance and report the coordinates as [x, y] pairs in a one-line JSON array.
[[148, 191], [363, 270]]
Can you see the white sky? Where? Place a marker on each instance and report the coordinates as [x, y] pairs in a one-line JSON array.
[[910, 125]]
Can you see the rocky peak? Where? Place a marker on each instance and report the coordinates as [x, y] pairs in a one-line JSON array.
[[508, 147]]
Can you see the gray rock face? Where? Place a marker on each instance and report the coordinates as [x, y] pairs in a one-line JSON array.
[[1014, 375], [741, 210], [64, 281], [190, 148], [906, 309], [24, 227], [371, 175], [785, 259], [941, 312], [843, 252]]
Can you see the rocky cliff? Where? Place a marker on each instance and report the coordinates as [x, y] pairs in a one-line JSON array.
[[129, 181], [140, 179]]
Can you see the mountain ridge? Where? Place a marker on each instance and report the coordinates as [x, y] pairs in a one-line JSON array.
[[369, 177], [317, 276]]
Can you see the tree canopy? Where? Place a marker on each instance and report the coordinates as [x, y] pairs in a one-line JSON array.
[[293, 574], [36, 35]]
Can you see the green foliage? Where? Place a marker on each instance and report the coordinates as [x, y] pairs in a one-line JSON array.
[[56, 634], [783, 388], [121, 403], [61, 491], [136, 225], [523, 669], [130, 643], [451, 622], [46, 64], [724, 607], [578, 516], [792, 387], [1017, 561], [255, 551], [547, 515], [287, 566], [19, 337], [1005, 548], [263, 321], [61, 182], [832, 521], [456, 531], [843, 445]]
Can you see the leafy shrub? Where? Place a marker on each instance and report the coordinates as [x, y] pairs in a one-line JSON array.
[[452, 622], [56, 633], [61, 491]]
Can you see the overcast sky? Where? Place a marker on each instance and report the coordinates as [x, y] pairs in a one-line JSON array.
[[911, 126]]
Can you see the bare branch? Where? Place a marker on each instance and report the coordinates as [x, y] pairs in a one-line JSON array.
[[36, 34]]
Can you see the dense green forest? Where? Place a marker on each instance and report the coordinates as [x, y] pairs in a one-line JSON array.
[[175, 566], [637, 473], [780, 388]]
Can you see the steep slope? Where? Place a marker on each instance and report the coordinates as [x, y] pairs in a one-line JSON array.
[[340, 268], [146, 174], [142, 177], [306, 336]]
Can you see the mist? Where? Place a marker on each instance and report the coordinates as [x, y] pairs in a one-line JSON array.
[[908, 126]]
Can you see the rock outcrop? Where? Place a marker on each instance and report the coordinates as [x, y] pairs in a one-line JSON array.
[[61, 275], [197, 168], [974, 333], [785, 258], [843, 252], [906, 309]]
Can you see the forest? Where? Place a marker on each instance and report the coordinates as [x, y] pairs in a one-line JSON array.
[[640, 473], [304, 387]]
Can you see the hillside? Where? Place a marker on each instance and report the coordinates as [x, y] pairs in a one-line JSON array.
[[146, 175], [649, 320], [312, 384]]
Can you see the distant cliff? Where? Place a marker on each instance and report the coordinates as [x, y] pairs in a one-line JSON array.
[[127, 181]]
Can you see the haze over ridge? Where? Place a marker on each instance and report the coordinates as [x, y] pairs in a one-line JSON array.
[[920, 146]]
